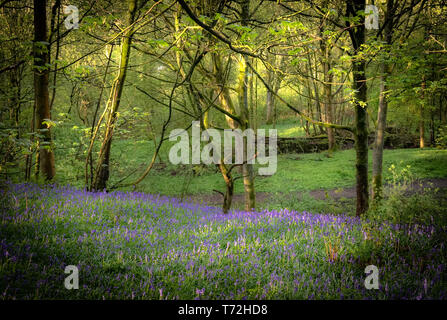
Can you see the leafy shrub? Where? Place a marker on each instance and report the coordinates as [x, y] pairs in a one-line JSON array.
[[409, 202], [441, 139]]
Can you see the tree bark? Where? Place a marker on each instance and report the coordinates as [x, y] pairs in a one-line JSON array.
[[383, 109], [329, 110], [317, 94], [274, 79], [357, 35], [102, 169], [269, 99], [380, 136], [223, 91], [247, 169], [443, 113], [227, 105], [421, 115], [89, 158], [41, 96], [361, 139], [229, 187], [328, 78]]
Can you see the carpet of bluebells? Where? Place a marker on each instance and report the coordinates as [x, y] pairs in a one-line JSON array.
[[130, 245]]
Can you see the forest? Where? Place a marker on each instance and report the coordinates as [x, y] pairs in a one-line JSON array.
[[217, 149]]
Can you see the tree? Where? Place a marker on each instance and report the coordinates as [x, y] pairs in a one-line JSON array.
[[354, 9], [385, 69], [42, 103], [274, 79], [392, 18], [325, 47], [247, 168], [102, 168]]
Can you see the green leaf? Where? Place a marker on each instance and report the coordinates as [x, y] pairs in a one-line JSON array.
[[49, 123]]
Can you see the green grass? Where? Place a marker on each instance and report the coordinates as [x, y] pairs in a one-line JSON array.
[[295, 172], [290, 128], [303, 172]]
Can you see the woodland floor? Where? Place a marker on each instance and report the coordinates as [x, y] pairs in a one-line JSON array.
[[338, 194]]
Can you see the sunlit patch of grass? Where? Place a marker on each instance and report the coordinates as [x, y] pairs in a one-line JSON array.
[[295, 172], [286, 129]]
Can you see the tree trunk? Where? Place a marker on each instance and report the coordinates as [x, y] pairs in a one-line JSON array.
[[433, 127], [443, 113], [229, 187], [227, 104], [328, 108], [102, 169], [361, 139], [251, 104], [357, 34], [382, 111], [223, 91], [274, 80], [317, 94], [269, 107], [310, 111], [269, 99], [41, 95], [421, 115], [247, 169], [380, 136]]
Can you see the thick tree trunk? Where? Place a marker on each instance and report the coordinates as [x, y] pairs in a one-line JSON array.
[[41, 95], [229, 187], [361, 116], [361, 139], [102, 169]]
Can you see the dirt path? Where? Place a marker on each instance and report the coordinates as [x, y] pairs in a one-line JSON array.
[[336, 194]]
